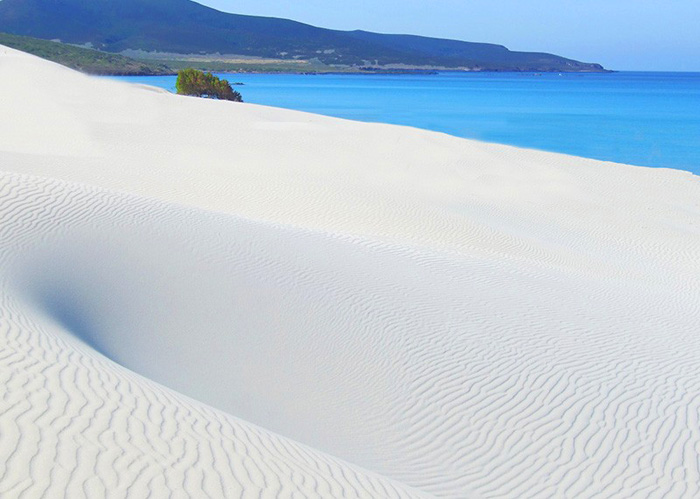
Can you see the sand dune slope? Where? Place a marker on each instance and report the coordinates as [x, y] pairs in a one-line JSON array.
[[73, 423], [441, 316]]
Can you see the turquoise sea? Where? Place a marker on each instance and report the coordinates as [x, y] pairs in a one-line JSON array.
[[640, 118]]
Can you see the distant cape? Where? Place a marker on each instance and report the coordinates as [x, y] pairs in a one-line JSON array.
[[186, 27]]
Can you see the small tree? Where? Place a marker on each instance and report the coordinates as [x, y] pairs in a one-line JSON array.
[[201, 84]]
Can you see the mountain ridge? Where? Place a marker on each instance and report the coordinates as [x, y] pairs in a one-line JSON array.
[[184, 26]]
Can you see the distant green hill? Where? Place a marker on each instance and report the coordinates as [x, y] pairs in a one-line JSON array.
[[186, 27], [85, 60]]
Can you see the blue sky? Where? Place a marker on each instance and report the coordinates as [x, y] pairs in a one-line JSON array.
[[662, 35]]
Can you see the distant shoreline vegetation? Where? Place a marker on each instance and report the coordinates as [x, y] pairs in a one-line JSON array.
[[140, 63], [201, 84], [137, 63], [83, 59]]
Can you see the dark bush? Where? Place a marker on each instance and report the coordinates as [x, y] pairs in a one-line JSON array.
[[201, 84]]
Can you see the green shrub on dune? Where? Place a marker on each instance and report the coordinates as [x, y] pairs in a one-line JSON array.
[[201, 84]]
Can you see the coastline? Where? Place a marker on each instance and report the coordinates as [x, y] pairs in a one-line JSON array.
[[635, 118], [343, 71]]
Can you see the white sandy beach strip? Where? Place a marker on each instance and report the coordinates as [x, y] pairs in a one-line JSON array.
[[211, 299]]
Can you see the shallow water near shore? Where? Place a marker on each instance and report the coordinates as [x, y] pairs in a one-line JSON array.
[[639, 118]]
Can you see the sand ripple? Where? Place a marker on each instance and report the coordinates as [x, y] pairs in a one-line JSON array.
[[295, 315]]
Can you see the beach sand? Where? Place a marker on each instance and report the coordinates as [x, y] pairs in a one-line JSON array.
[[211, 299]]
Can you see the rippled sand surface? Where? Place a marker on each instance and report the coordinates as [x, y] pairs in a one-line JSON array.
[[211, 299]]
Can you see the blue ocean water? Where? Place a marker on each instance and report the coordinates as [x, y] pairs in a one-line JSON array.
[[640, 118]]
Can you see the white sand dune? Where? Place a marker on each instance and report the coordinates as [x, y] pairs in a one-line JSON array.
[[210, 299]]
